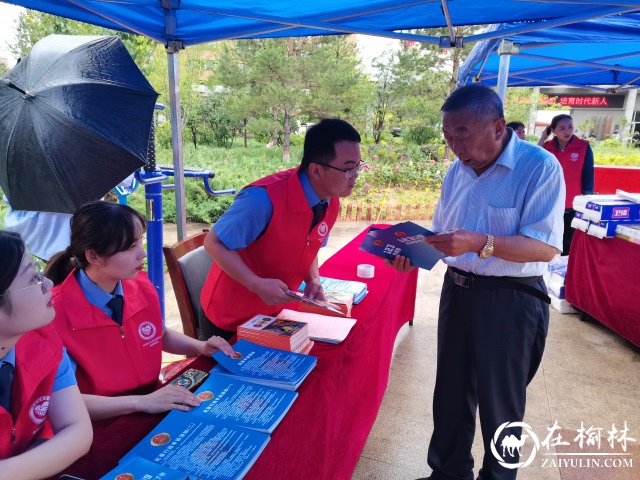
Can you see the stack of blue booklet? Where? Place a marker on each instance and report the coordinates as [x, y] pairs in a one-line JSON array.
[[201, 448], [265, 366], [406, 239], [242, 404]]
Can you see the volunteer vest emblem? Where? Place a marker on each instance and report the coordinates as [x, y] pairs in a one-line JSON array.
[[323, 229], [147, 330], [39, 409], [574, 156]]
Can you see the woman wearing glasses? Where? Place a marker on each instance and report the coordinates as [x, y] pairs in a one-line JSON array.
[[36, 380], [108, 316]]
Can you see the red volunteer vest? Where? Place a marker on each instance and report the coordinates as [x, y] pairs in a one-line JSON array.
[[572, 162], [38, 355], [112, 360], [285, 251]]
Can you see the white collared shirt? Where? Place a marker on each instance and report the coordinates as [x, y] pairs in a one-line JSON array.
[[522, 193]]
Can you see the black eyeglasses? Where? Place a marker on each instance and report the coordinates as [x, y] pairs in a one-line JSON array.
[[348, 172], [40, 281]]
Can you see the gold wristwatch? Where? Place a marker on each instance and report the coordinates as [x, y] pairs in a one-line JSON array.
[[487, 250]]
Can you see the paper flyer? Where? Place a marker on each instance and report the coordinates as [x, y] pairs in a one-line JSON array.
[[241, 403], [209, 450]]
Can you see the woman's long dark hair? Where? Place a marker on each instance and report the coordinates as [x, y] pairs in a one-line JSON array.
[[106, 228], [11, 252], [558, 118]]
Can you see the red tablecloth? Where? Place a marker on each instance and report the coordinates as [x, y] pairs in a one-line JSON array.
[[323, 434], [602, 280]]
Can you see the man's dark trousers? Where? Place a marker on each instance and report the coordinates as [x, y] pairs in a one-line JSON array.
[[490, 344]]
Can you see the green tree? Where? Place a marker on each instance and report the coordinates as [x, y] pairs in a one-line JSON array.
[[33, 26], [3, 69], [276, 82]]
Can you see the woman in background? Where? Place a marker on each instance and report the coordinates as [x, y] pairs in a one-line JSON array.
[[518, 128], [36, 380], [576, 158], [108, 316]]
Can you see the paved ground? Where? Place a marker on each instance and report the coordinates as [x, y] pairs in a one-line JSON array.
[[589, 376]]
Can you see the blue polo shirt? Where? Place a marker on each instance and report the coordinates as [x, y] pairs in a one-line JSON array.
[[64, 377], [249, 215]]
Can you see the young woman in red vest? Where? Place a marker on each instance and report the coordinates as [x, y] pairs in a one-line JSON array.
[[576, 158], [108, 316], [36, 380]]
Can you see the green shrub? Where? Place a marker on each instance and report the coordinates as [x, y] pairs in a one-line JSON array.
[[423, 135], [610, 143]]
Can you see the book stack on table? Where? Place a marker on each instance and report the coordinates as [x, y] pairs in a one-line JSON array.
[[222, 437], [277, 333], [265, 366]]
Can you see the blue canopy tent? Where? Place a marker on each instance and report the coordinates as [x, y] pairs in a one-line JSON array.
[[601, 54], [180, 23]]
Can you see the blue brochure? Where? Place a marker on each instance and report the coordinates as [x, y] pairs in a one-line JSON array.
[[242, 403], [405, 239], [358, 289], [266, 366], [206, 450], [139, 468]]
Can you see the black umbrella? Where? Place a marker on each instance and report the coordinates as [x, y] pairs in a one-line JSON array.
[[75, 117]]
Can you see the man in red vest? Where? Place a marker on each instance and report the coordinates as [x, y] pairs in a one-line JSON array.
[[268, 240]]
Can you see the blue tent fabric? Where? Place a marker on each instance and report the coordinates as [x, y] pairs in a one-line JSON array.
[[198, 21], [603, 51]]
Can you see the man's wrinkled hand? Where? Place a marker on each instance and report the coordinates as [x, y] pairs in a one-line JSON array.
[[456, 242]]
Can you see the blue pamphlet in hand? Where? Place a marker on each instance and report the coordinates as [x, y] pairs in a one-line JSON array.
[[265, 366], [201, 448], [243, 404], [136, 467], [405, 239]]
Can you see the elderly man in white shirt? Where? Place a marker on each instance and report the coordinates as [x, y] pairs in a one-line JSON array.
[[500, 222]]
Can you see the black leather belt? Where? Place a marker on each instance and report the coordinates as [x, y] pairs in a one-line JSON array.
[[522, 284]]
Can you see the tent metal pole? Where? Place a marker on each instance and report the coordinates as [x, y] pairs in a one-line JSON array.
[[503, 76], [176, 142], [629, 110], [447, 17]]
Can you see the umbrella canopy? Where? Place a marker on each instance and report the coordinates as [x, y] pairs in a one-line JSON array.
[[75, 118]]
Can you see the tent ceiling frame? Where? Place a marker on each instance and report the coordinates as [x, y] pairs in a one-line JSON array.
[[535, 26]]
